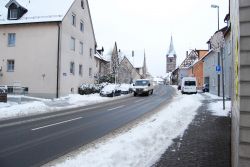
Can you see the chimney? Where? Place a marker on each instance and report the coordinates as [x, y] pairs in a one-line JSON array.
[[187, 54]]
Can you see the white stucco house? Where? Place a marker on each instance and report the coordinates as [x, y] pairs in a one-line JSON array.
[[47, 46]]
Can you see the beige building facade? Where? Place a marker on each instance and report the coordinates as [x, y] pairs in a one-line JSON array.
[[52, 57], [240, 26]]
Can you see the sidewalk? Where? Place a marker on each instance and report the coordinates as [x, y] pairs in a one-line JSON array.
[[206, 142]]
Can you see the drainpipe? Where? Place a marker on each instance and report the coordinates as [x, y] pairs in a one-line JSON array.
[[58, 60]]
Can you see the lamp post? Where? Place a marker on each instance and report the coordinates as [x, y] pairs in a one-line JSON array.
[[222, 68], [218, 78], [218, 10]]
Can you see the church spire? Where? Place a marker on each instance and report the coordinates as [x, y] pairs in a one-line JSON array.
[[171, 50]]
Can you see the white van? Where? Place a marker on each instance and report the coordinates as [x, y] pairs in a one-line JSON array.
[[143, 86], [188, 85]]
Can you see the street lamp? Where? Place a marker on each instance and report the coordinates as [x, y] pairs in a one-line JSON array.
[[218, 10], [222, 68], [216, 6]]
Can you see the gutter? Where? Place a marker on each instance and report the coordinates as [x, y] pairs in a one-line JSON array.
[[58, 60]]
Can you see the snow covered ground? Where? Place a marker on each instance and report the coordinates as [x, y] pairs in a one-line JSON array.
[[32, 106], [142, 145], [217, 107]]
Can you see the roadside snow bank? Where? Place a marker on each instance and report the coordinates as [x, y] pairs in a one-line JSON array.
[[217, 108], [144, 144], [39, 105], [83, 100], [17, 110]]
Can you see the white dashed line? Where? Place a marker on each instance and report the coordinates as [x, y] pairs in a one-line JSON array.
[[116, 108], [46, 126]]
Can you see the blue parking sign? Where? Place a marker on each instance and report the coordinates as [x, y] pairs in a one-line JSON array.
[[218, 69]]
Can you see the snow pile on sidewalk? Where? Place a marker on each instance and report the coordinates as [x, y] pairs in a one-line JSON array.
[[17, 110], [144, 144], [82, 100], [39, 106], [217, 107]]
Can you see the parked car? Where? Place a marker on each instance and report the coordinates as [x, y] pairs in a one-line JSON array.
[[205, 88], [188, 85], [4, 88], [85, 89], [110, 90], [143, 86], [126, 88]]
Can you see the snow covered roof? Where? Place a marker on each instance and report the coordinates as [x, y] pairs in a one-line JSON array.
[[38, 10]]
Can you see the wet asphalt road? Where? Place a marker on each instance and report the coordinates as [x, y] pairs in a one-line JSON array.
[[36, 140]]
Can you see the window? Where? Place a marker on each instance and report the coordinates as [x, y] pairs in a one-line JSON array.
[[82, 4], [90, 72], [72, 68], [81, 48], [170, 60], [10, 65], [73, 19], [90, 52], [72, 43], [97, 63], [13, 14], [11, 39], [81, 26], [80, 69]]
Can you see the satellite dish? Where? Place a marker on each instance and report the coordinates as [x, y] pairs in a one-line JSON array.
[[217, 41]]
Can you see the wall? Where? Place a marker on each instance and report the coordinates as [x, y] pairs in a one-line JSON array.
[[209, 71], [240, 15], [227, 61], [198, 73], [69, 83], [35, 55]]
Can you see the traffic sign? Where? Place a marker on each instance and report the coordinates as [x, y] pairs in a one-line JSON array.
[[218, 68]]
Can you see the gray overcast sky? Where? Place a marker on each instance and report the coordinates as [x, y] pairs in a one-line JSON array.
[[148, 24]]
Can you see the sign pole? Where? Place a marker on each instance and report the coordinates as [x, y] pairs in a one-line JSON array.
[[223, 84]]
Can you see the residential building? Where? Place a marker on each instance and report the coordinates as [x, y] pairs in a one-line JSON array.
[[227, 60], [102, 65], [171, 58], [49, 51], [174, 77], [127, 72], [211, 73], [240, 42], [184, 68], [196, 70]]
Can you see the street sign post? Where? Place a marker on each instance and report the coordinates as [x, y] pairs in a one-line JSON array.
[[217, 42]]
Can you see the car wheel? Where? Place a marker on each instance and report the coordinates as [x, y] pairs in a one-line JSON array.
[[135, 94]]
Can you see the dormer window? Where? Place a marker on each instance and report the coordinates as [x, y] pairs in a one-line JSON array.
[[15, 10], [13, 14]]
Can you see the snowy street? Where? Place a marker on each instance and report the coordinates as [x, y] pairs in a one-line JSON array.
[[142, 142], [147, 141]]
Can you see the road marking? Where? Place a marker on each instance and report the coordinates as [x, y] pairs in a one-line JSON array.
[[116, 108], [139, 100], [58, 123]]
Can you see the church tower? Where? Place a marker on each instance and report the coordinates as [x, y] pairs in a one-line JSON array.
[[171, 58]]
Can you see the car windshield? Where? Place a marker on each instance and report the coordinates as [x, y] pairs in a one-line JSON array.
[[141, 83], [189, 83]]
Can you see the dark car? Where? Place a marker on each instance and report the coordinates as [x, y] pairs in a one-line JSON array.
[[205, 88]]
